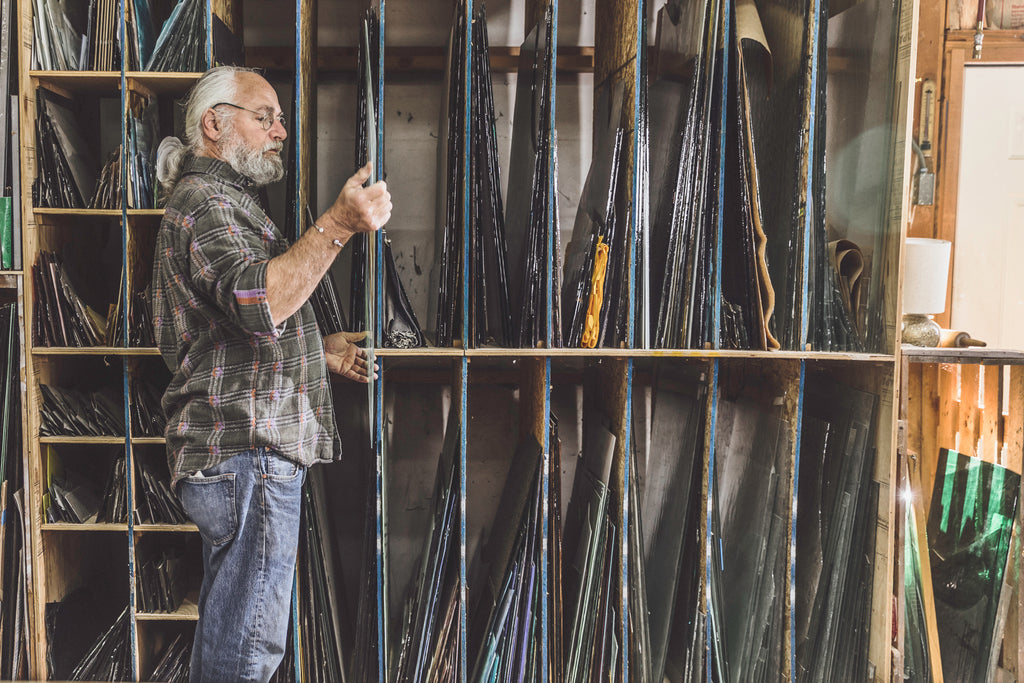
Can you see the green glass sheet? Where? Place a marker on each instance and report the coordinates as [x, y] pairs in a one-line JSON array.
[[970, 525]]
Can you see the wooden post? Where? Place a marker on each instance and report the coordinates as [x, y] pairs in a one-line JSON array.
[[1014, 443], [230, 12], [991, 417], [967, 420]]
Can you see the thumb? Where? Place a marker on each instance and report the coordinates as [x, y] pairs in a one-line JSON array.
[[361, 176], [354, 336]]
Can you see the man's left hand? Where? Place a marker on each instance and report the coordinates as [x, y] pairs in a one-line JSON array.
[[345, 358]]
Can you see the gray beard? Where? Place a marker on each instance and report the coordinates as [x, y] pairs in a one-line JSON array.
[[250, 162]]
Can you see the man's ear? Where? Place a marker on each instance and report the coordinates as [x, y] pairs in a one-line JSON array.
[[211, 128]]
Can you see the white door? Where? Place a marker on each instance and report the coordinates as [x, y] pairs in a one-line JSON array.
[[988, 254]]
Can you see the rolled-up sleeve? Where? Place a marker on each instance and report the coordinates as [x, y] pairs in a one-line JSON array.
[[228, 264]]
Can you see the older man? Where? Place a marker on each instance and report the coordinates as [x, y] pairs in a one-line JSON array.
[[249, 403]]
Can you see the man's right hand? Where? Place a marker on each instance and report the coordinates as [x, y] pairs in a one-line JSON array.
[[357, 208]]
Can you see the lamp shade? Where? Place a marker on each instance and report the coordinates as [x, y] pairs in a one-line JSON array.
[[925, 274]]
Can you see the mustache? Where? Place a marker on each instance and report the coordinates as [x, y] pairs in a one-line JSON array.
[[277, 146]]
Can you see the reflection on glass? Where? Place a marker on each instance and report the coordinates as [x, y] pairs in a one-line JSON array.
[[974, 504]]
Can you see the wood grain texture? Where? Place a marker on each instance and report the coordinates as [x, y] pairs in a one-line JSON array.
[[306, 97], [949, 410], [1013, 427], [1014, 439], [915, 399], [615, 47], [35, 584], [992, 415], [534, 13], [533, 381], [929, 427], [950, 119], [931, 28], [230, 12], [968, 418]]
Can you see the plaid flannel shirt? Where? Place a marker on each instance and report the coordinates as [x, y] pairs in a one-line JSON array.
[[238, 382]]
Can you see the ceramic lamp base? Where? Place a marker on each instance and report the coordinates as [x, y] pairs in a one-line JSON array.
[[920, 330]]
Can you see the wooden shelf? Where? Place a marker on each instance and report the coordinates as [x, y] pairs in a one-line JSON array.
[[974, 356], [96, 213], [79, 81], [159, 83], [144, 440], [73, 440], [187, 611], [78, 213], [89, 528], [166, 528], [495, 352], [95, 351], [424, 352]]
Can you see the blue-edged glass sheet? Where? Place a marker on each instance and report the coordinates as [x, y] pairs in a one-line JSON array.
[[750, 536]]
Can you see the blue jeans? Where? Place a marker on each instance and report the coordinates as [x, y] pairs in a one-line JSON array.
[[247, 510]]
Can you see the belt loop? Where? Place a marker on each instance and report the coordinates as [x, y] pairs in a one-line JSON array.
[[261, 461]]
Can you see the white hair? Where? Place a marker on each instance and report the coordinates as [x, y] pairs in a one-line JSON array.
[[216, 85]]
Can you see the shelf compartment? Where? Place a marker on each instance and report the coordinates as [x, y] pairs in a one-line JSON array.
[[188, 611], [421, 454], [85, 590], [506, 433], [168, 571], [846, 475], [670, 409]]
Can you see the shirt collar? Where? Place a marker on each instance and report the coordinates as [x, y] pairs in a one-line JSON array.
[[221, 169]]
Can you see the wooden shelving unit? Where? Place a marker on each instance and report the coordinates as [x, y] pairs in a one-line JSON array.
[[499, 394], [69, 556]]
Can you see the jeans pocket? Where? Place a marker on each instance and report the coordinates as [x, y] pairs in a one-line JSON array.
[[210, 503], [281, 469]]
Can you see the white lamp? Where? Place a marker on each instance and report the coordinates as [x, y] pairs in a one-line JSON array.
[[925, 274]]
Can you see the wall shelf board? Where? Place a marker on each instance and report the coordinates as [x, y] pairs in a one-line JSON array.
[[84, 528], [94, 351]]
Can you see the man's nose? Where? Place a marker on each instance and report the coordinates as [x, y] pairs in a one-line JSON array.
[[278, 131]]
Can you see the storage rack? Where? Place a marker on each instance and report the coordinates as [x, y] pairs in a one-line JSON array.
[[526, 379]]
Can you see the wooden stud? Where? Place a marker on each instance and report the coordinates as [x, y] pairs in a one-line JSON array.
[[929, 452], [916, 404], [1014, 444], [35, 584], [305, 84], [1013, 426], [991, 417], [967, 422], [615, 47], [230, 12], [533, 386], [534, 13], [949, 410]]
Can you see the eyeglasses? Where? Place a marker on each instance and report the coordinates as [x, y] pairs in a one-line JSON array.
[[265, 119]]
